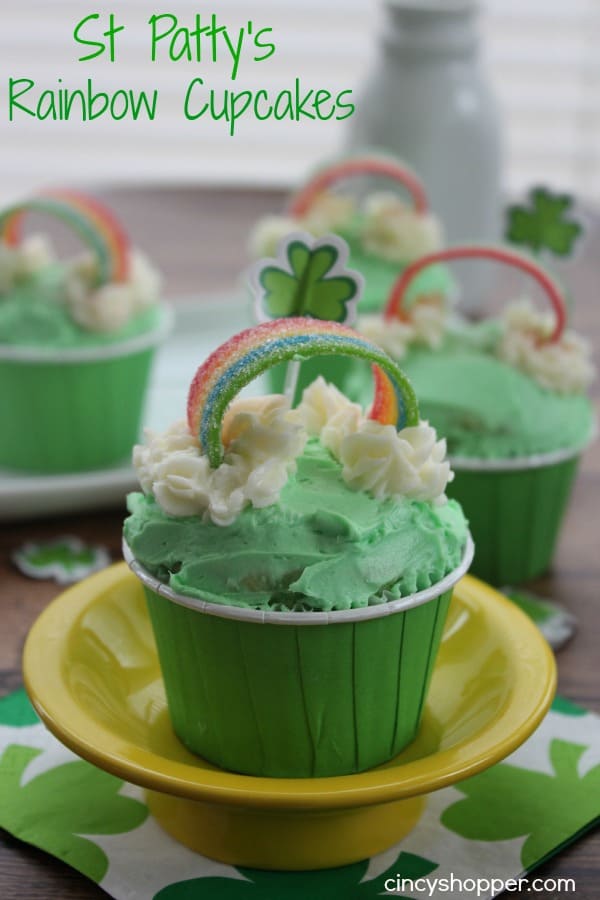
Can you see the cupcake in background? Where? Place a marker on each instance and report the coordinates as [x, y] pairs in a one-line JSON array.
[[510, 395], [77, 339], [298, 562], [386, 230]]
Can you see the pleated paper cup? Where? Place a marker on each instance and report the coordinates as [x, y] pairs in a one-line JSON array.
[[297, 694], [515, 508], [74, 410]]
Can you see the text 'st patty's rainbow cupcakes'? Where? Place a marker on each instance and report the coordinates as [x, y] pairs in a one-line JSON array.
[[386, 230], [76, 340], [298, 563], [510, 396]]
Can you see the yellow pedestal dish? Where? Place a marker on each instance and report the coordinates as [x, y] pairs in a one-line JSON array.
[[92, 673]]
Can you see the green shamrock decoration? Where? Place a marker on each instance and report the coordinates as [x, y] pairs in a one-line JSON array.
[[566, 708], [17, 711], [308, 278], [543, 225], [555, 622], [328, 884], [53, 809], [506, 802], [66, 559]]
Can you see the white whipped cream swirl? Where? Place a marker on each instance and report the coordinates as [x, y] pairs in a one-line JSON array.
[[376, 458], [258, 460], [564, 366], [426, 322], [19, 262], [389, 228], [110, 307], [263, 439], [328, 212], [396, 232]]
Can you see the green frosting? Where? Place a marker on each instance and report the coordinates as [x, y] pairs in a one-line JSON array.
[[380, 274], [323, 546], [33, 314], [484, 407]]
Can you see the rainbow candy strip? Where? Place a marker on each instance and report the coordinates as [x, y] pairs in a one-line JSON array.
[[302, 201], [243, 357], [88, 218], [395, 306]]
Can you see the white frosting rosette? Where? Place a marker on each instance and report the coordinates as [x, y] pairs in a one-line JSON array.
[[382, 223], [327, 214], [564, 365], [263, 438], [110, 307], [426, 323], [262, 446], [19, 262], [396, 232]]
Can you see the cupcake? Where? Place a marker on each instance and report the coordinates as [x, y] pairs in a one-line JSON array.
[[510, 395], [385, 230], [298, 562], [77, 340]]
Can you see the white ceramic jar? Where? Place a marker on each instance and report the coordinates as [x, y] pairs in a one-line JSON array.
[[428, 100]]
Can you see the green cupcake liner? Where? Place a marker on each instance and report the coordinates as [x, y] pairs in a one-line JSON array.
[[334, 369], [297, 694], [514, 514], [73, 412]]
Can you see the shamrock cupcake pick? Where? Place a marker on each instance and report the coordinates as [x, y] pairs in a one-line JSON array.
[[64, 560], [308, 277]]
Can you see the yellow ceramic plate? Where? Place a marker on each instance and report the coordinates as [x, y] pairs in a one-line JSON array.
[[92, 673]]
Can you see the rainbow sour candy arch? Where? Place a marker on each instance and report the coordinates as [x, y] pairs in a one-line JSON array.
[[302, 201], [394, 307], [87, 217], [246, 355]]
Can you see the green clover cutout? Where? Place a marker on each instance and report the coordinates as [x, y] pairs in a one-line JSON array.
[[16, 710], [345, 883], [543, 224], [566, 707], [507, 802], [65, 559], [53, 810], [308, 278]]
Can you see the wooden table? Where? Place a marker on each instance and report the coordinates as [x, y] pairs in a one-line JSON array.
[[198, 238]]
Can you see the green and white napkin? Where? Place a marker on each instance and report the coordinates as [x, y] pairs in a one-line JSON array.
[[496, 825]]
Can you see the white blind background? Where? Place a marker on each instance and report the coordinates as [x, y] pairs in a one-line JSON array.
[[542, 56]]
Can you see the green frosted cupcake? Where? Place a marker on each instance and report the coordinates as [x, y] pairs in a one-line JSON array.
[[298, 563], [384, 233], [509, 394], [77, 341]]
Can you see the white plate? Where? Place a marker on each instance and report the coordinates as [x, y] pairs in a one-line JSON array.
[[200, 326]]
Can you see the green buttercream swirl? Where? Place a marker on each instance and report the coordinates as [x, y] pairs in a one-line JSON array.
[[34, 314], [322, 546], [380, 274], [485, 408]]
